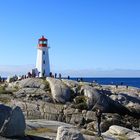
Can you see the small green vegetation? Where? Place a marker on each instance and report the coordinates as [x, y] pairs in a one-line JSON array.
[[5, 100], [122, 137], [38, 131], [81, 106], [87, 132], [16, 88], [80, 99], [47, 86], [2, 89], [80, 102], [99, 138]]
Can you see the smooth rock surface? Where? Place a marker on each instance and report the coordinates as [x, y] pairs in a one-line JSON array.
[[31, 83], [61, 93], [68, 133], [121, 132]]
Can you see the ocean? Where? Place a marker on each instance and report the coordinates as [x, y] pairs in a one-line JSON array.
[[135, 82]]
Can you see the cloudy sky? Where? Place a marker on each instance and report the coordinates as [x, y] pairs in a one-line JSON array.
[[87, 37]]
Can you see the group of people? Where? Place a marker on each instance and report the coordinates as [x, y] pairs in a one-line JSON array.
[[55, 75], [1, 79]]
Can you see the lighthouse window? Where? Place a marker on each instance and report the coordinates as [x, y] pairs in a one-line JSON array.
[[43, 61], [44, 42], [43, 52], [41, 42]]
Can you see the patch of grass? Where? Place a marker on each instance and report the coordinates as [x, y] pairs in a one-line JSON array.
[[80, 102], [5, 100], [16, 88], [2, 89], [80, 99], [122, 138], [81, 106], [47, 86], [87, 132], [39, 130], [99, 138]]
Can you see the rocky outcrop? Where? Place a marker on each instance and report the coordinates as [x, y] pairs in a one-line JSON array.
[[74, 102], [97, 99], [12, 122], [31, 83], [63, 113], [107, 98], [61, 93]]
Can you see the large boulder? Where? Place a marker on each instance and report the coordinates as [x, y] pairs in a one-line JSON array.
[[96, 98], [70, 83], [31, 83], [120, 132], [92, 95], [12, 122], [61, 93], [68, 133], [28, 83]]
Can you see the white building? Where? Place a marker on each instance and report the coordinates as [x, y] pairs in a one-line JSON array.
[[42, 62]]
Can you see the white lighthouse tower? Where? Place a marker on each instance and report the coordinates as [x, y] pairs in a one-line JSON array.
[[42, 62]]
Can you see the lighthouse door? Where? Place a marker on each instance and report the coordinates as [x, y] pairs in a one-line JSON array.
[[43, 73]]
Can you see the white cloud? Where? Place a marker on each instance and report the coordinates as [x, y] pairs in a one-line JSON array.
[[7, 70]]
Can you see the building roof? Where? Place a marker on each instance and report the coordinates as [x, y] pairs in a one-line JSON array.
[[43, 39]]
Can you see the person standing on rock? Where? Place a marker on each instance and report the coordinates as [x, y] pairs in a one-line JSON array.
[[98, 116], [60, 76]]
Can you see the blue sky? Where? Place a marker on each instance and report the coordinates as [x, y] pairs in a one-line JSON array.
[[87, 37]]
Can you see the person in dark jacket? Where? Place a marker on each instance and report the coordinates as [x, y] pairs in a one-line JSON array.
[[98, 116]]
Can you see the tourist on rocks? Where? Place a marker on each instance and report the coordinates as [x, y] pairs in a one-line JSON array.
[[55, 75], [50, 74], [29, 75], [126, 86], [59, 75], [98, 116]]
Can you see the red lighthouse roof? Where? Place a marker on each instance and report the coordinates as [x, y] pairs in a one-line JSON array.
[[43, 39], [42, 42]]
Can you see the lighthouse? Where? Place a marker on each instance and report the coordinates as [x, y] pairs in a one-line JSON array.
[[42, 62]]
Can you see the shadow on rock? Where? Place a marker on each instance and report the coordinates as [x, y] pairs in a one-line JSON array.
[[107, 105], [28, 137], [132, 99]]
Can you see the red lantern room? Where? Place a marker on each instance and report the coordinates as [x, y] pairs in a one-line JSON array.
[[42, 42]]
